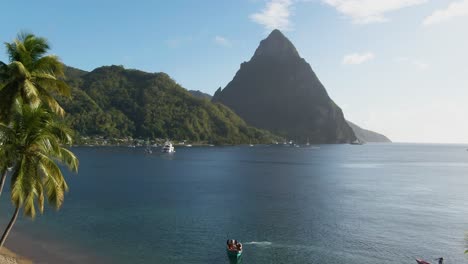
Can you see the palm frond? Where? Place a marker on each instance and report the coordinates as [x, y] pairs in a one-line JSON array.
[[30, 95], [54, 181], [18, 70], [69, 159], [29, 207], [40, 192], [50, 64], [50, 84], [17, 190], [53, 104], [36, 46]]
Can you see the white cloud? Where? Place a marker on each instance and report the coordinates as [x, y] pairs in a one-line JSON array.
[[370, 11], [455, 9], [222, 41], [357, 58], [275, 15], [422, 66]]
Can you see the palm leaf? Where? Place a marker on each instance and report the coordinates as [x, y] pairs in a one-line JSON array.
[[69, 159], [50, 64], [17, 193]]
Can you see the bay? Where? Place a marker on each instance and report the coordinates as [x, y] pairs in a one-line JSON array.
[[385, 203]]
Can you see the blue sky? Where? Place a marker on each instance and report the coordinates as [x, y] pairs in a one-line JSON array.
[[399, 67]]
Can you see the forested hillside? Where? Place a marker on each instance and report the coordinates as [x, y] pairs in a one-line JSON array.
[[116, 102]]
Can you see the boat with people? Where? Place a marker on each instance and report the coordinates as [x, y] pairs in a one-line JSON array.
[[233, 248], [168, 148]]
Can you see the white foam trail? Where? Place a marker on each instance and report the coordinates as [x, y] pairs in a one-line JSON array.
[[259, 243]]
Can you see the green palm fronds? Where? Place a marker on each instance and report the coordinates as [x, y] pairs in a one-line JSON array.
[[39, 142], [31, 76], [32, 140]]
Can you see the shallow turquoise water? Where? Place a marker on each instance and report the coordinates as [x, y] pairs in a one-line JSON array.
[[376, 203]]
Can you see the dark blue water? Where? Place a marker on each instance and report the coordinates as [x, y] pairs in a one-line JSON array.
[[369, 204]]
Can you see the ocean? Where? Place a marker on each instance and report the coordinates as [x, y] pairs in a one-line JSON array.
[[374, 203]]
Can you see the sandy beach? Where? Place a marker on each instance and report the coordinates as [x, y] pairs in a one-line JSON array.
[[39, 251], [9, 257]]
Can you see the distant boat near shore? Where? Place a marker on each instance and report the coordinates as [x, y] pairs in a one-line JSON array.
[[168, 148]]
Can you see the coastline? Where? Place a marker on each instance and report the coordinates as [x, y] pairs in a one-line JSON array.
[[28, 250], [9, 257]]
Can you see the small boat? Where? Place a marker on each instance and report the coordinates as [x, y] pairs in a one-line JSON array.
[[189, 145], [168, 148], [308, 143], [234, 248]]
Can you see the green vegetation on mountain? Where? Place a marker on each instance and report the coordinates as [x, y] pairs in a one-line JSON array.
[[112, 101], [200, 94]]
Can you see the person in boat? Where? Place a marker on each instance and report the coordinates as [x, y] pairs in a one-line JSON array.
[[238, 246], [230, 244]]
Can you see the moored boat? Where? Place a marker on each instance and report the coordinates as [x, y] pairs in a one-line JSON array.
[[168, 148]]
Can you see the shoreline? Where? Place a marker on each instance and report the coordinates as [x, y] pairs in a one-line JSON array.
[[9, 257], [30, 250]]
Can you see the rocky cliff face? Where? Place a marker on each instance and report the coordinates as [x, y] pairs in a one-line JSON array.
[[277, 90]]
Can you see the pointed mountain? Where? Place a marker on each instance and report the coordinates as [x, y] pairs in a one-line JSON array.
[[277, 90], [276, 45]]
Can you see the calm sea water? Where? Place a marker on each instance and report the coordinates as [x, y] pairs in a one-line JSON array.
[[376, 203]]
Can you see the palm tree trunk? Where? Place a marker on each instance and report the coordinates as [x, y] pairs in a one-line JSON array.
[[9, 227], [2, 181]]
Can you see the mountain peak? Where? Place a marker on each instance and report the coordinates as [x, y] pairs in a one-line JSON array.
[[277, 90], [276, 45]]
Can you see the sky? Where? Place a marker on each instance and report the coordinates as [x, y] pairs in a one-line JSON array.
[[398, 67]]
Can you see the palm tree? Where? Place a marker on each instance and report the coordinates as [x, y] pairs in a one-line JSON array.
[[32, 77], [35, 142]]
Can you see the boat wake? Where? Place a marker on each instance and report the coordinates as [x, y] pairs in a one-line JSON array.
[[259, 243]]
